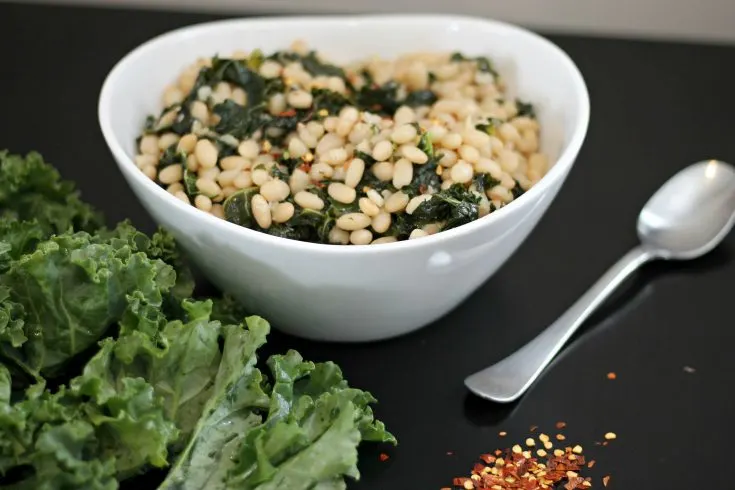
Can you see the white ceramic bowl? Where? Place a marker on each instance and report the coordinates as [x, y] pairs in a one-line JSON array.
[[351, 293]]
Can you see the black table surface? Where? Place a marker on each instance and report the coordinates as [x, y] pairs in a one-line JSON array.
[[656, 107]]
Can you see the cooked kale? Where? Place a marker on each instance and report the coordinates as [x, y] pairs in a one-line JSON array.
[[525, 109], [420, 97], [241, 122], [483, 63], [454, 206]]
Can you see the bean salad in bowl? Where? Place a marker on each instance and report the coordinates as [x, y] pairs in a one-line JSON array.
[[371, 152]]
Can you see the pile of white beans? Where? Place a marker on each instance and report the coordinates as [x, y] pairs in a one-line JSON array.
[[327, 147]]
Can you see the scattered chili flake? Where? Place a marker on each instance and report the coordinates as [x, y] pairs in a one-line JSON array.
[[605, 480], [517, 468], [288, 113], [384, 457], [561, 425], [533, 428], [612, 375], [591, 464], [450, 453], [503, 434], [689, 369], [560, 437]]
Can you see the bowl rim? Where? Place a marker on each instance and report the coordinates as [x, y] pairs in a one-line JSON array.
[[563, 163]]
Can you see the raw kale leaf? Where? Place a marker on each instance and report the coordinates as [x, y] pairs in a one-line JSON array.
[[31, 189]]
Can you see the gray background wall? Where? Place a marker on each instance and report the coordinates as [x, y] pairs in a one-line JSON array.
[[702, 20]]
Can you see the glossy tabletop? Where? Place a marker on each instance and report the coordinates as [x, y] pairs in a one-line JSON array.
[[668, 336]]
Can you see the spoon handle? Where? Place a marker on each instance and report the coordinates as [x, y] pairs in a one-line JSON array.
[[508, 379]]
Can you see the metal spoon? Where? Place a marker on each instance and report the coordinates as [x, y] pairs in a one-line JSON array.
[[686, 218]]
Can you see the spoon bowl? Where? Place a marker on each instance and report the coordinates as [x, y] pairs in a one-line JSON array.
[[686, 218], [691, 213]]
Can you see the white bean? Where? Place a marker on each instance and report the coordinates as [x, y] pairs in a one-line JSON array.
[[203, 202], [297, 148], [462, 172], [353, 221], [404, 115], [181, 196], [206, 153], [385, 239], [404, 134], [187, 143], [270, 69], [341, 192], [146, 160], [417, 233], [175, 187], [413, 154], [375, 196], [449, 158], [199, 111], [282, 212], [209, 173], [509, 133], [321, 171], [509, 160], [339, 236], [469, 153], [335, 156], [261, 211], [218, 211], [300, 99], [308, 200], [381, 222], [208, 187], [382, 151], [166, 140], [171, 174], [248, 149], [414, 203], [260, 176], [244, 179], [149, 171], [397, 202], [402, 173], [383, 171], [275, 190], [298, 181], [368, 207], [328, 142], [361, 237], [227, 177], [234, 163], [488, 166], [149, 145], [452, 141], [354, 173]]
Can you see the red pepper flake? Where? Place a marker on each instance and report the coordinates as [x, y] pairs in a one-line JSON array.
[[605, 480], [383, 457], [288, 113], [561, 425], [518, 468], [534, 428], [689, 370], [502, 434], [591, 464], [450, 453], [612, 376]]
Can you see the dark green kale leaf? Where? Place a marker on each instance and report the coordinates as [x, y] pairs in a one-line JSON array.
[[455, 206], [328, 100], [484, 182], [316, 67], [420, 98], [238, 73], [241, 122], [238, 207], [483, 63], [381, 99], [517, 190], [30, 189], [525, 109]]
